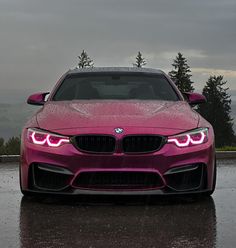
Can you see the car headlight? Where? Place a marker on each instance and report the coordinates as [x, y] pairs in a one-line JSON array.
[[191, 138], [44, 138]]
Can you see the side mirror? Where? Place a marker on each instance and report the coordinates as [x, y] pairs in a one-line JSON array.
[[37, 99], [195, 98]]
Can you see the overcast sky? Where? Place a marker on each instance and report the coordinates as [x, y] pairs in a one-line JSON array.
[[40, 39]]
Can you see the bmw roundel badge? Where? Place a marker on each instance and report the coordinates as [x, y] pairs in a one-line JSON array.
[[119, 130]]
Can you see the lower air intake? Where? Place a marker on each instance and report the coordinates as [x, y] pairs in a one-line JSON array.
[[118, 180], [48, 177], [185, 178]]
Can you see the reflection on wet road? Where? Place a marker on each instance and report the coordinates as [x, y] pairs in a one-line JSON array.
[[175, 225], [118, 222]]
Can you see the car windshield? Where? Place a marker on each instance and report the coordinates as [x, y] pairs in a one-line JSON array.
[[117, 87]]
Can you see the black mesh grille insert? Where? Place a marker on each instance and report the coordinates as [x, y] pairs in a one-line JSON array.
[[95, 143], [118, 180], [49, 180], [185, 180], [142, 143]]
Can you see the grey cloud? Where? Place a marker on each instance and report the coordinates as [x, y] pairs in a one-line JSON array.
[[41, 39]]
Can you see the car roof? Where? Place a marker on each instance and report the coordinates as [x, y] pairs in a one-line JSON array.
[[114, 70]]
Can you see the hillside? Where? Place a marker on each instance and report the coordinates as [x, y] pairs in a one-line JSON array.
[[13, 117]]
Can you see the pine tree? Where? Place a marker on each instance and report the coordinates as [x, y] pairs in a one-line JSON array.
[[12, 146], [181, 74], [217, 110], [140, 61], [2, 150], [85, 60]]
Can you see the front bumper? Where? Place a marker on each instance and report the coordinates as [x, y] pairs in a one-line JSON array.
[[178, 170]]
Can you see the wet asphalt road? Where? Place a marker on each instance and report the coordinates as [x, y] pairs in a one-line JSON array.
[[116, 222]]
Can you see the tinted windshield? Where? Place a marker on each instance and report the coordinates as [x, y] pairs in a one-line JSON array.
[[124, 87]]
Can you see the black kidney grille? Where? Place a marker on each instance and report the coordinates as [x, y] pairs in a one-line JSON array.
[[142, 143], [95, 143], [118, 180]]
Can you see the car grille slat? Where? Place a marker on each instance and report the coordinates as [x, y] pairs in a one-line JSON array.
[[142, 143], [95, 143]]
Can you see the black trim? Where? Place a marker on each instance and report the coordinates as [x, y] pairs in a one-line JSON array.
[[180, 169], [75, 192]]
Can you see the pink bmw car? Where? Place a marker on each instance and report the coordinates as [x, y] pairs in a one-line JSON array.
[[110, 131]]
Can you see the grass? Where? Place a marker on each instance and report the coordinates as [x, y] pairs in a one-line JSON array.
[[226, 148]]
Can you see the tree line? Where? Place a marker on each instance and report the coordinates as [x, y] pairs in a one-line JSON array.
[[10, 147], [217, 110]]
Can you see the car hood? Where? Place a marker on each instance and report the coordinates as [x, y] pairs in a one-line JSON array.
[[75, 114]]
